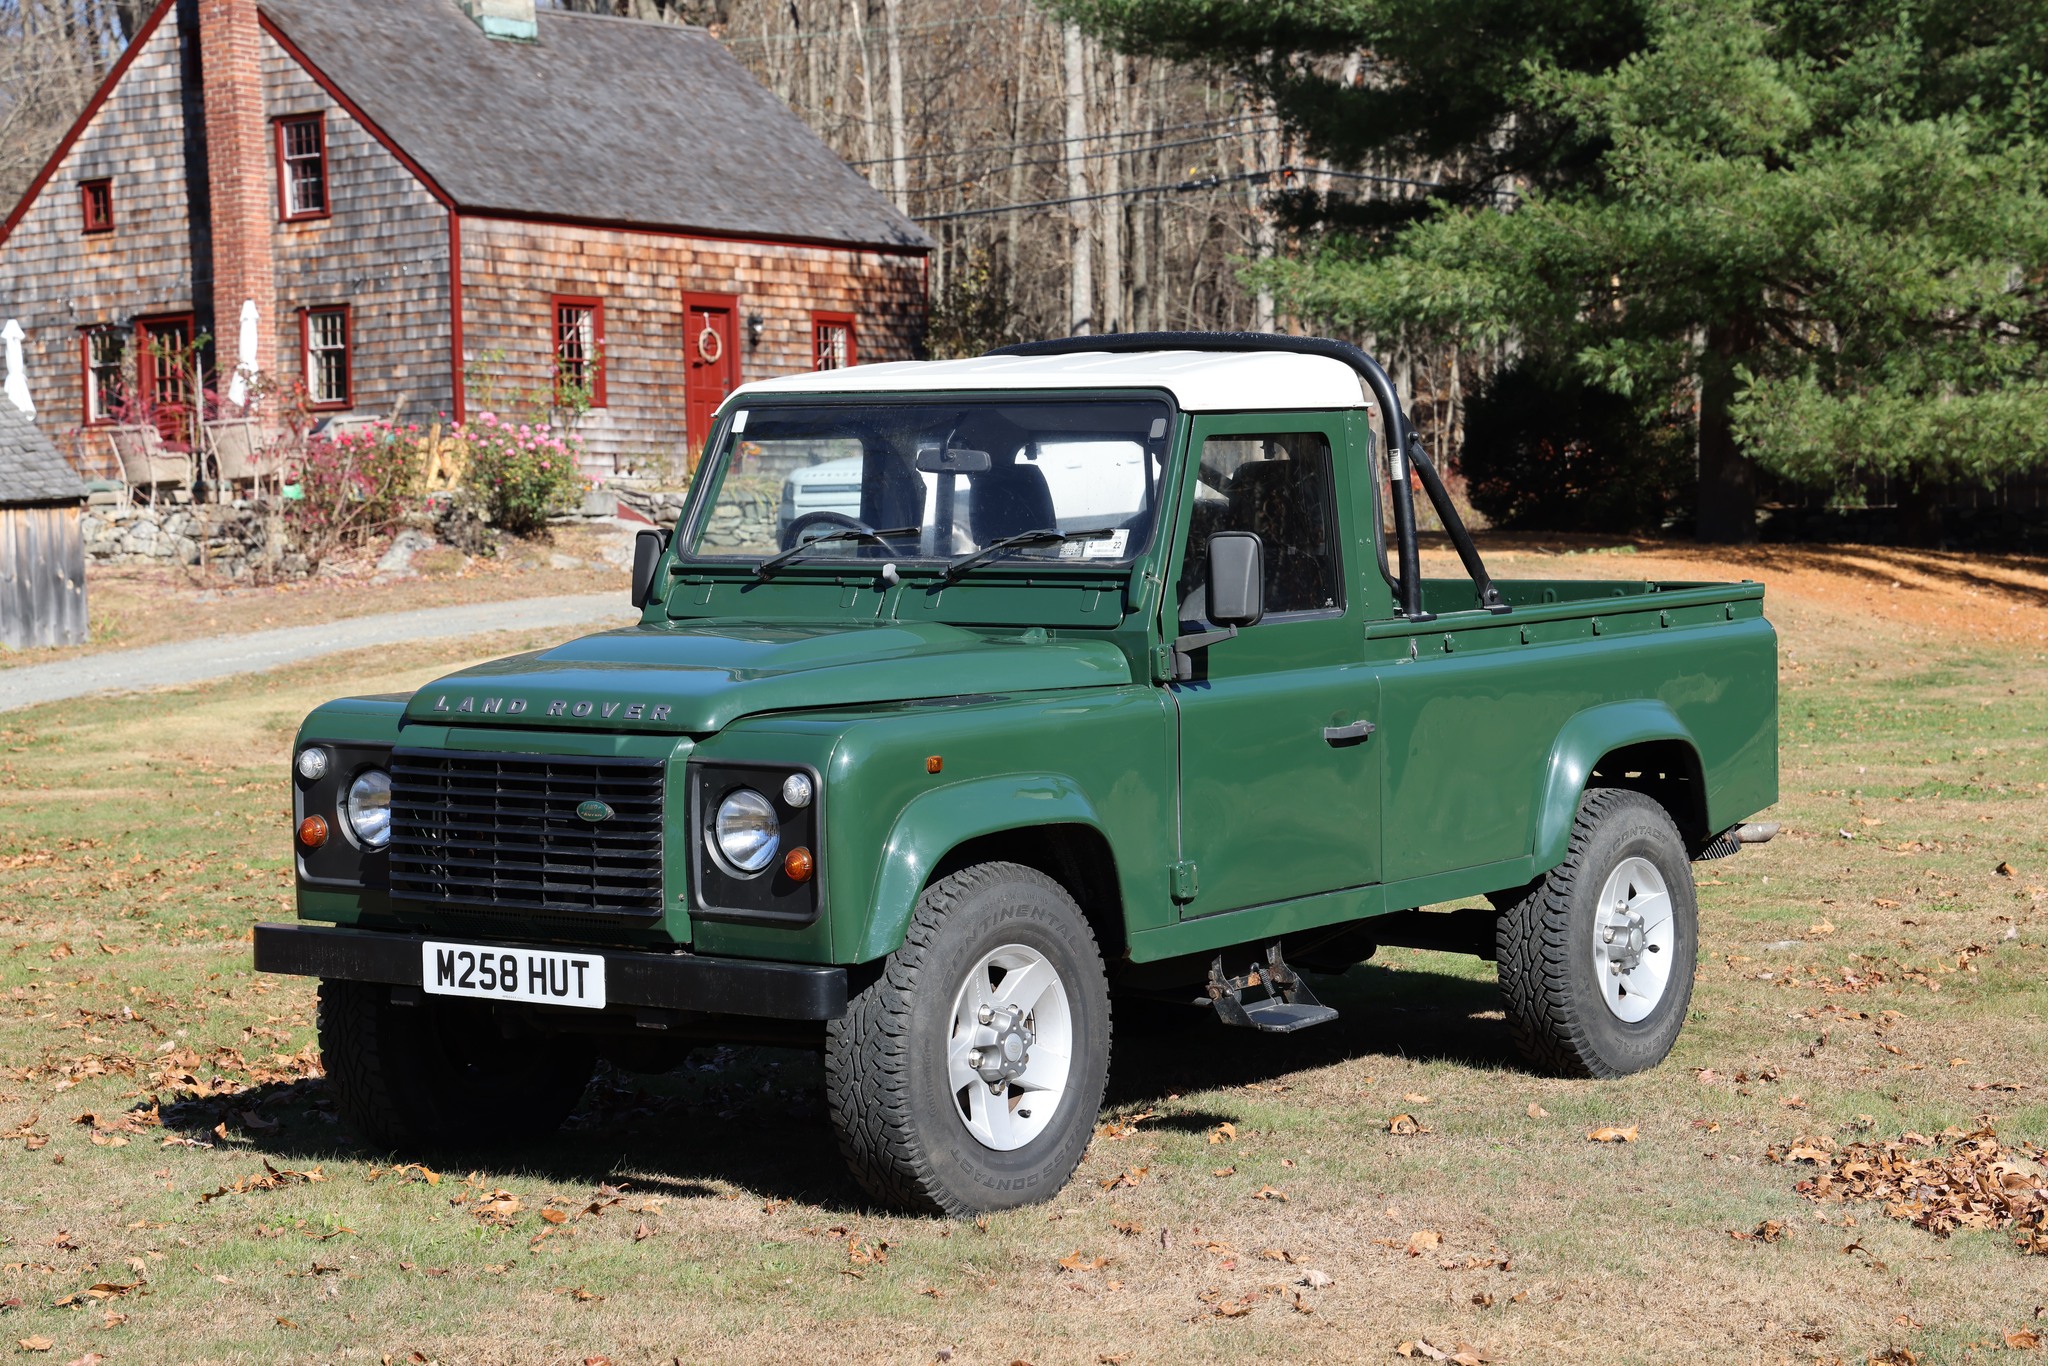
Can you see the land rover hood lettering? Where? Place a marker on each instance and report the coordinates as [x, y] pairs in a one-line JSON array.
[[696, 680]]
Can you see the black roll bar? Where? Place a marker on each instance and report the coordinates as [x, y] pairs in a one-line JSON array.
[[1404, 446]]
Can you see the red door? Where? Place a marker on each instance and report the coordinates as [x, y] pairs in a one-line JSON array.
[[163, 371], [711, 352]]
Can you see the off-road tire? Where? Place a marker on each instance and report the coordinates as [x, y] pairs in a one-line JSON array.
[[885, 1068], [439, 1074], [1544, 945]]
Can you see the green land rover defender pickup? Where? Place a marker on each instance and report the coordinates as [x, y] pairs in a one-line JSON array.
[[965, 693]]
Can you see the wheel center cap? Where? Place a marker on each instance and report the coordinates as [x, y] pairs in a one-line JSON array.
[[1004, 1058]]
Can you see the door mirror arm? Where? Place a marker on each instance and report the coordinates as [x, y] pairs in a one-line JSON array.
[[648, 548]]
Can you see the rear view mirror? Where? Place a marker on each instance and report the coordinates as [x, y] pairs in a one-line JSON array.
[[1237, 578], [648, 548], [952, 460]]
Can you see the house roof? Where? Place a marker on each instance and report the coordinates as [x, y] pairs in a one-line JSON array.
[[31, 470], [1200, 381], [603, 120]]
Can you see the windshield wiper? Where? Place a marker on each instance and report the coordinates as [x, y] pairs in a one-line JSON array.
[[1044, 536], [801, 548]]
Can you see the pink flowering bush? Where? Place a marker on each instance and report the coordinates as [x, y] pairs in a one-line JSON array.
[[354, 486], [523, 472]]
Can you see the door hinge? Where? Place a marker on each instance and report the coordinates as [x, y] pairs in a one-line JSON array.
[[1162, 663], [1185, 884]]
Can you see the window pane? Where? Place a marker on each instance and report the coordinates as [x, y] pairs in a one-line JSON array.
[[575, 342], [1281, 487], [327, 356], [834, 345], [108, 349], [304, 173]]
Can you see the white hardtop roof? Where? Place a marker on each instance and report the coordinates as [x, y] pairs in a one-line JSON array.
[[1200, 381]]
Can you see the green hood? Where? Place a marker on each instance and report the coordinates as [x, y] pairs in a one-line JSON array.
[[693, 679]]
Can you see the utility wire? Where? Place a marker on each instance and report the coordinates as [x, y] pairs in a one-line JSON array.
[[1209, 141], [1056, 142], [1209, 182]]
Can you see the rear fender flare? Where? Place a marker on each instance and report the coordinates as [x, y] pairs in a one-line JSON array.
[[938, 821], [1581, 743]]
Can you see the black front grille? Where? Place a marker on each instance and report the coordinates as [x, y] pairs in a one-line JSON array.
[[502, 832]]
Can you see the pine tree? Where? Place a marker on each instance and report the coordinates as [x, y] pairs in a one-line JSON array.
[[1825, 219]]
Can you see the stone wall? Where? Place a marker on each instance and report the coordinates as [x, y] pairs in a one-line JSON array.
[[237, 538]]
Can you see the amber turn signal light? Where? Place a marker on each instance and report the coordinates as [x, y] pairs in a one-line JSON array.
[[934, 764], [798, 864], [312, 832]]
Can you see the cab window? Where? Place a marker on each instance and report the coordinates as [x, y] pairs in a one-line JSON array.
[[1282, 487]]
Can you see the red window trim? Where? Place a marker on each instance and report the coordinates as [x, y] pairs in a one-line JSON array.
[[92, 224], [146, 377], [556, 303], [848, 321], [348, 351], [284, 196]]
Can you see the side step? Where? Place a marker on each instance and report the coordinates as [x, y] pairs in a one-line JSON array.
[[1287, 1006]]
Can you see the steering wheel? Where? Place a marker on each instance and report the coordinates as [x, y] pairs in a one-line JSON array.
[[813, 525]]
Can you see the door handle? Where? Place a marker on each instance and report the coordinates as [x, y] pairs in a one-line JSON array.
[[1344, 735]]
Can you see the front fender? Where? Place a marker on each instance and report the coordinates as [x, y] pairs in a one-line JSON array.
[[938, 821], [1581, 743]]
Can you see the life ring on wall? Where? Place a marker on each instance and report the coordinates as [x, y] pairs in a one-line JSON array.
[[710, 346]]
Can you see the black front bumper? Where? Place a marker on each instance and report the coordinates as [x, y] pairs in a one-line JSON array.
[[665, 981]]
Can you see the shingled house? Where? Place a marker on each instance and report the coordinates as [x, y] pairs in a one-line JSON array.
[[441, 203]]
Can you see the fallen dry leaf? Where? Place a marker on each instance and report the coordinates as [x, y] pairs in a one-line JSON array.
[[1076, 1262], [1226, 1132], [1608, 1133], [1423, 1240], [1537, 1111], [1269, 1193], [36, 1344], [2023, 1340], [1124, 1179], [1405, 1125]]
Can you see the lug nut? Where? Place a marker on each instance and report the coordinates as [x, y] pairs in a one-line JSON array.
[[985, 1014]]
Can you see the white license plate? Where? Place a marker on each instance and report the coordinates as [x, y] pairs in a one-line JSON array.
[[501, 974]]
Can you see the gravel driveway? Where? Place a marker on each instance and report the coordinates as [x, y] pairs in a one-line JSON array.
[[192, 661]]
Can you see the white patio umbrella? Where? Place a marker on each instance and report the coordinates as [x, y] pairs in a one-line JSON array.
[[245, 356], [17, 375]]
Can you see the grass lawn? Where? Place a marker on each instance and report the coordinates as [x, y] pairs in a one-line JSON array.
[[173, 1186]]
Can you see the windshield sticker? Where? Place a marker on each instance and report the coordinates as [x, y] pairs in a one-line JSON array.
[[739, 421], [1109, 547]]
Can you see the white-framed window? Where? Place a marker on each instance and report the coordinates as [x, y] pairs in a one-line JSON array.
[[326, 332]]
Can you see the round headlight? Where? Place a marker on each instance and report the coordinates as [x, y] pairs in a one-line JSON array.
[[746, 831], [313, 762], [369, 808], [796, 790]]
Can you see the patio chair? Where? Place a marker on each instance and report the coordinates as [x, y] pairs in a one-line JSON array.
[[243, 452], [146, 460]]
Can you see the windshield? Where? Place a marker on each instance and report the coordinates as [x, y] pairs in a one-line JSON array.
[[936, 481]]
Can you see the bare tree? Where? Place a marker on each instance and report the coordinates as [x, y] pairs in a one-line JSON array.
[[52, 55]]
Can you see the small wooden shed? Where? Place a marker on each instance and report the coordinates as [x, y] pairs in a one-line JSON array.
[[42, 559]]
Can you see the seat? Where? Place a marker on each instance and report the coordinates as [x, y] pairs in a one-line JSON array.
[[146, 460], [1009, 499], [1283, 501], [243, 452]]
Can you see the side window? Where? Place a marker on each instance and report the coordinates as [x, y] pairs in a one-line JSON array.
[[1282, 487]]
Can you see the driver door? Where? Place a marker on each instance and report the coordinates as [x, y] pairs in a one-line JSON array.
[[1270, 808]]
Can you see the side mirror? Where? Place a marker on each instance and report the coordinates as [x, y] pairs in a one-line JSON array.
[[648, 548], [1237, 578]]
